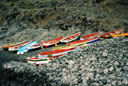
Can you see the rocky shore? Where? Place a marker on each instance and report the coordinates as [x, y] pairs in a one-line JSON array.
[[103, 63]]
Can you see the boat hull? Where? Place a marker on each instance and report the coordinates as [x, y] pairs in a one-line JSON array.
[[120, 35], [39, 61], [82, 41], [64, 47], [57, 53], [24, 49], [108, 34], [17, 47], [52, 42], [70, 38], [6, 47], [91, 36]]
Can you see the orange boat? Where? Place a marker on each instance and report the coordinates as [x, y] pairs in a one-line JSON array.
[[17, 47], [5, 47], [70, 38], [91, 36], [52, 42], [108, 34], [120, 35]]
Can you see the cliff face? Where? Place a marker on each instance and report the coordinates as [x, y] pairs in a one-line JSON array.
[[27, 16]]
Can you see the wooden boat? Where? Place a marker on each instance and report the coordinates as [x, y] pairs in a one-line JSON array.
[[52, 42], [38, 61], [108, 34], [120, 35], [5, 47], [83, 41], [91, 36], [24, 49], [37, 46], [70, 38], [64, 47], [57, 53], [17, 47]]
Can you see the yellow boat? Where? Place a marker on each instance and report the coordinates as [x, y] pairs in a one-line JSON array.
[[120, 35], [69, 46], [64, 47]]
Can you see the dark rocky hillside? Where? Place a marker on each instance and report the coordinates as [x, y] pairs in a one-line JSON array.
[[21, 20]]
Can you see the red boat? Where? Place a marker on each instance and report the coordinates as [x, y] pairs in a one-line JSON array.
[[82, 41], [91, 36], [38, 61], [52, 42], [70, 38], [56, 53], [108, 34]]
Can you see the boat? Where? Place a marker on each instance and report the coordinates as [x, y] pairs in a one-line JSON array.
[[17, 47], [52, 42], [64, 47], [24, 49], [5, 47], [70, 38], [57, 53], [83, 41], [38, 61], [37, 46], [91, 36], [108, 34], [120, 35]]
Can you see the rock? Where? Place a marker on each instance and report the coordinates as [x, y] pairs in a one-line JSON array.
[[125, 81], [105, 54], [90, 75], [116, 63], [126, 68], [105, 71], [113, 83], [111, 69]]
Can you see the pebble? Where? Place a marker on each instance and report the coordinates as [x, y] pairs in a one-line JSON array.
[[90, 75], [125, 81], [105, 53], [105, 71], [111, 68]]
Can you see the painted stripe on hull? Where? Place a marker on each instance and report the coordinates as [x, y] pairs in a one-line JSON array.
[[70, 38], [24, 49], [93, 41], [91, 36], [82, 41], [39, 62], [55, 55], [119, 35], [61, 53], [52, 42]]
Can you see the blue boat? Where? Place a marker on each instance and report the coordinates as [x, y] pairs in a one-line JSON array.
[[25, 49]]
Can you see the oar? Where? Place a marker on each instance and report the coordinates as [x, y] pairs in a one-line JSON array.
[[56, 45]]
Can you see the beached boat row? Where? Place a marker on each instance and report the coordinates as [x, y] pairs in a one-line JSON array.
[[73, 43]]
